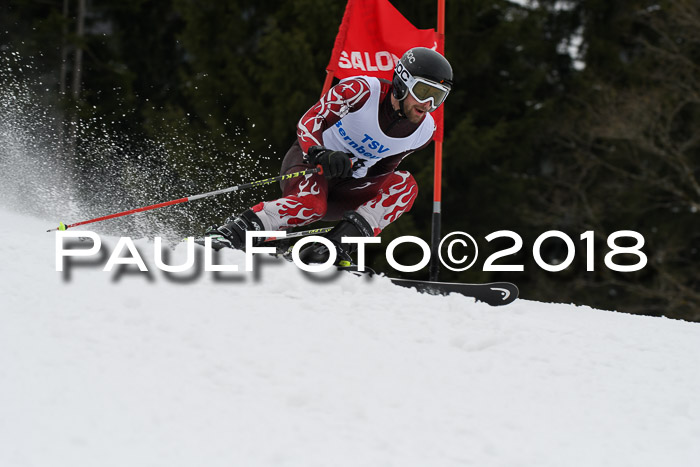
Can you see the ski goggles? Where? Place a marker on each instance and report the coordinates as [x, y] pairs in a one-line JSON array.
[[423, 90]]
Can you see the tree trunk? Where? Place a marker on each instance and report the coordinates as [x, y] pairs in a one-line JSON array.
[[63, 80], [64, 51], [78, 63], [77, 75]]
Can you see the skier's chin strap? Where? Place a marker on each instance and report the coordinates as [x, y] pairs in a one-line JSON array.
[[400, 112], [397, 116]]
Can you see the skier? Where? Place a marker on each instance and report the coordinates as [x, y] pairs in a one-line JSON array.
[[357, 133]]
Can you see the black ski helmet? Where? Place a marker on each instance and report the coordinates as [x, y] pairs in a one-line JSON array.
[[421, 62]]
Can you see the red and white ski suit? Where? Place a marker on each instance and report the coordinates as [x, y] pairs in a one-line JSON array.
[[355, 116]]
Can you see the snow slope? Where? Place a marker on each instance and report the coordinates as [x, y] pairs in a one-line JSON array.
[[119, 370]]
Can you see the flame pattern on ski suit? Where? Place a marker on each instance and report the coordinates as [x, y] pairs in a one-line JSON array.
[[396, 196], [301, 208], [333, 106]]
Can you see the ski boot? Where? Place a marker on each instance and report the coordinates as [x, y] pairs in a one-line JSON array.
[[352, 225], [232, 233]]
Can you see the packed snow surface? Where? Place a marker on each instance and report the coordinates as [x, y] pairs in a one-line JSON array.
[[126, 368]]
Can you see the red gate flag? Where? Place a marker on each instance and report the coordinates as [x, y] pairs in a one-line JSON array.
[[372, 38]]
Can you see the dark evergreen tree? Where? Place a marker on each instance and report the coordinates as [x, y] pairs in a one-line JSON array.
[[573, 116]]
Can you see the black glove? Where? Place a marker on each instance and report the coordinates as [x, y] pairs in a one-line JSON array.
[[334, 164]]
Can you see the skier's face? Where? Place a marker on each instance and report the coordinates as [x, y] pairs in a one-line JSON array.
[[414, 110]]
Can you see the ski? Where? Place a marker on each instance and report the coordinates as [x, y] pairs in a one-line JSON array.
[[218, 241], [491, 293]]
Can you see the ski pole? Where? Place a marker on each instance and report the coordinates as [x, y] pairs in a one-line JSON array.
[[302, 233], [266, 181]]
